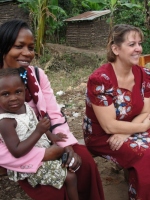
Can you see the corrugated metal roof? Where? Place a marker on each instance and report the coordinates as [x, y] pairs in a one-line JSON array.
[[90, 15]]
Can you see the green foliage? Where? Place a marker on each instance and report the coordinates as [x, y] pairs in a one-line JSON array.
[[112, 5], [53, 12], [128, 16], [46, 18], [128, 12], [136, 17], [92, 5], [70, 6], [54, 27], [146, 45], [45, 57], [38, 12]]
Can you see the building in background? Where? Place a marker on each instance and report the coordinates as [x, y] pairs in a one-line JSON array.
[[89, 29], [9, 10]]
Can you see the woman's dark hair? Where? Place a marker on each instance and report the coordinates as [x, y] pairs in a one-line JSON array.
[[117, 36], [8, 35]]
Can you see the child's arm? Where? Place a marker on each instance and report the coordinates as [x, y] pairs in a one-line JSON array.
[[15, 146], [56, 137]]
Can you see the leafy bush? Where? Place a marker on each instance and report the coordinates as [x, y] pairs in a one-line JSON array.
[[136, 17]]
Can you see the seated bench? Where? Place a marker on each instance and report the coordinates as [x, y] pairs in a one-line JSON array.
[[144, 59]]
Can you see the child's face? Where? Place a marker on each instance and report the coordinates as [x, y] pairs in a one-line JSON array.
[[12, 94]]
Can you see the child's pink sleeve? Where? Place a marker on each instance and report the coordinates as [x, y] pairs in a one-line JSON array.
[[28, 163]]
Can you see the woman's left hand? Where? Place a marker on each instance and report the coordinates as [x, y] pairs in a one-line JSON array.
[[74, 161], [116, 141]]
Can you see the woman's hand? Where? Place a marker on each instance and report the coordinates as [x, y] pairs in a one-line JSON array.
[[53, 152], [116, 141], [147, 121], [73, 161]]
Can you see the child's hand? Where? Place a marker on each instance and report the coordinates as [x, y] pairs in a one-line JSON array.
[[58, 137], [43, 125]]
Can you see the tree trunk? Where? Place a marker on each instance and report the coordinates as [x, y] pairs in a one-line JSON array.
[[147, 14]]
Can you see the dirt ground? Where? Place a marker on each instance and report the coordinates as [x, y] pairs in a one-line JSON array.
[[114, 184]]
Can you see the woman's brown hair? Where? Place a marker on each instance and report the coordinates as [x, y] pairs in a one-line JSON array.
[[117, 36]]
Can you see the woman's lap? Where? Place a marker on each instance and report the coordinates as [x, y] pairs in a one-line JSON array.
[[43, 191], [127, 156], [89, 183], [91, 187], [133, 155]]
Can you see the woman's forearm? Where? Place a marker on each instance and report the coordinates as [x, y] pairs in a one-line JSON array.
[[52, 153], [107, 119], [140, 118], [123, 127]]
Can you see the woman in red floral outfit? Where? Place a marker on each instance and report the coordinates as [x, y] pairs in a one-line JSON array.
[[117, 122]]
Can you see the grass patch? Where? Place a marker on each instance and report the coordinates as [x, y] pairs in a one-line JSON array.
[[68, 69], [62, 80]]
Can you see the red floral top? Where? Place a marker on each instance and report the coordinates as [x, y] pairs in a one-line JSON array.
[[103, 90]]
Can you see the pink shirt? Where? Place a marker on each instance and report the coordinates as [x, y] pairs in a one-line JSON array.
[[28, 163], [33, 160], [53, 110]]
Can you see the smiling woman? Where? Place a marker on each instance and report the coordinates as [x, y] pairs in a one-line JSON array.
[[21, 52], [117, 122], [16, 50], [19, 130]]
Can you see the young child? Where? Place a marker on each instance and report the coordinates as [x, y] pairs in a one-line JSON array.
[[20, 130]]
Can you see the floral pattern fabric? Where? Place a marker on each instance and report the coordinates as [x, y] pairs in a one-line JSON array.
[[134, 155], [50, 172]]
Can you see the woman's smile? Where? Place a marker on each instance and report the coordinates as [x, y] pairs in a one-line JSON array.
[[22, 52]]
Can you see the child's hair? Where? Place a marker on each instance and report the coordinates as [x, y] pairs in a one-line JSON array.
[[21, 72], [117, 36]]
